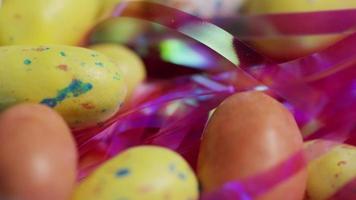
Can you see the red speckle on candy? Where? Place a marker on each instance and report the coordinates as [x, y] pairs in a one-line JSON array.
[[41, 48], [88, 105], [63, 67], [145, 189], [341, 163], [17, 16], [167, 196]]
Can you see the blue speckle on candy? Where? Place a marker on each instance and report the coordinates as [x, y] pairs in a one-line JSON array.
[[182, 176], [27, 62], [49, 102], [75, 89], [122, 172], [78, 88], [100, 64], [172, 167]]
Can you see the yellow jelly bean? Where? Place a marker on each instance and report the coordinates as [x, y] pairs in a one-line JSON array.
[[84, 86], [144, 173], [128, 62], [330, 172], [290, 47], [46, 21]]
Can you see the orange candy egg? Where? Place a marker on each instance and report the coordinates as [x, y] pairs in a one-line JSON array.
[[248, 134], [37, 154]]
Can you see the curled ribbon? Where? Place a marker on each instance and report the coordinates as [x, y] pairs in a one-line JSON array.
[[319, 89]]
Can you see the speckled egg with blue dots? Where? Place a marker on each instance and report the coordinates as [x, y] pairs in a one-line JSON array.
[[141, 173], [84, 86]]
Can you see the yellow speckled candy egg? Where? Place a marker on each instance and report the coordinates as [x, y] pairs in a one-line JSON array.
[[332, 171], [129, 63], [141, 173], [46, 21], [84, 86], [291, 47]]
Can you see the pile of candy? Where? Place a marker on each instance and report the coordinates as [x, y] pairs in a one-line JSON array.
[[179, 100]]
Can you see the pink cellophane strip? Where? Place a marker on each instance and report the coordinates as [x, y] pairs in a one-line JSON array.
[[319, 89]]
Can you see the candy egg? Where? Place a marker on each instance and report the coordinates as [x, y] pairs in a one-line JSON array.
[[332, 171], [46, 22], [145, 173], [37, 154], [290, 47], [282, 6], [84, 86], [128, 62], [121, 30], [107, 7], [248, 134], [205, 8]]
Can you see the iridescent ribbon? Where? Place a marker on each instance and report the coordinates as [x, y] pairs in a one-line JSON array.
[[319, 89]]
